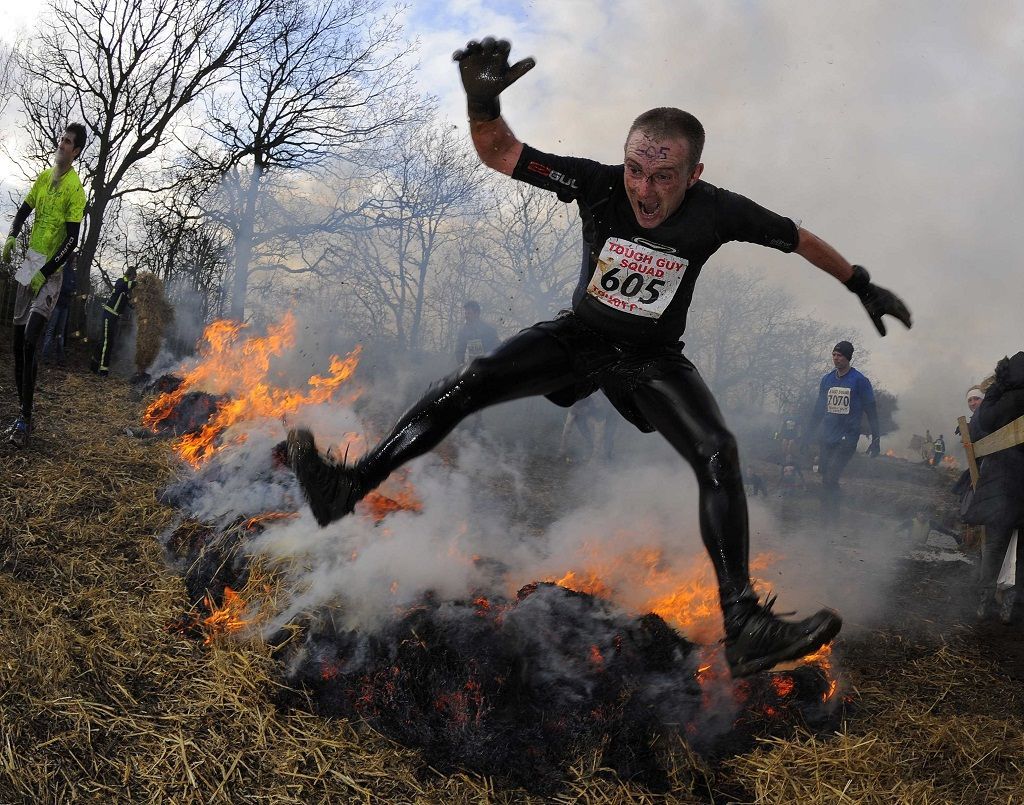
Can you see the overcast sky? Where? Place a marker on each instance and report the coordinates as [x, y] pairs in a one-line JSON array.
[[893, 130]]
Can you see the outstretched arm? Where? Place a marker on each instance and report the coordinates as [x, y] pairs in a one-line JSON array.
[[819, 253], [878, 301], [485, 74], [495, 144]]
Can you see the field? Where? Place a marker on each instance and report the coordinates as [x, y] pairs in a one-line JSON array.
[[102, 700]]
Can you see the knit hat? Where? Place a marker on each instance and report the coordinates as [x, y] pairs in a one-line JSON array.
[[844, 348]]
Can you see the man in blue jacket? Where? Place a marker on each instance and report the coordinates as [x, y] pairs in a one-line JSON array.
[[844, 397]]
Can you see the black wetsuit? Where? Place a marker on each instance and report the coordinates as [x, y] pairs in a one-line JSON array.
[[622, 336]]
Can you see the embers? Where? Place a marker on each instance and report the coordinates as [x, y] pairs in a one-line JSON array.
[[509, 688]]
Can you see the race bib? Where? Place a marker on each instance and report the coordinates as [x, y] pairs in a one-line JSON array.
[[474, 347], [838, 400], [635, 279], [29, 266]]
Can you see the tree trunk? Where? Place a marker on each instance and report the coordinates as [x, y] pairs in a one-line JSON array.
[[244, 246]]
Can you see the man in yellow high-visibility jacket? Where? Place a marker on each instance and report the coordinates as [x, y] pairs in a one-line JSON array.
[[58, 201]]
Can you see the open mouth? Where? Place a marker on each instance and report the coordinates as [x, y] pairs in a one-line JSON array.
[[648, 211]]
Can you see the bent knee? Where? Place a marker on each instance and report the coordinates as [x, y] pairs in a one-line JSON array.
[[719, 460]]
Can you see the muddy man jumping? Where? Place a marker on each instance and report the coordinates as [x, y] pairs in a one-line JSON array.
[[649, 226]]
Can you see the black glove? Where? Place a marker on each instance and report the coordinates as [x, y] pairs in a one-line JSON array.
[[874, 448], [877, 300], [485, 73]]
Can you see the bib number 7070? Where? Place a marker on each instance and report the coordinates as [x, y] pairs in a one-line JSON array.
[[838, 400]]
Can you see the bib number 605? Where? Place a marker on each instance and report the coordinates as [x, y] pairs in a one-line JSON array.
[[631, 286]]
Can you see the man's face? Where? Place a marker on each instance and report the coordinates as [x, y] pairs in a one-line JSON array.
[[66, 150], [840, 360], [657, 176], [973, 403]]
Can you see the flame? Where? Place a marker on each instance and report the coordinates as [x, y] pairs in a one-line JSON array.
[[266, 517], [950, 462], [228, 618], [890, 453], [644, 581], [823, 659], [380, 506], [240, 367]]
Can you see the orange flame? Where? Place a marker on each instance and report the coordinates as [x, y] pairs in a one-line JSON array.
[[380, 506], [267, 517], [228, 618], [240, 367], [644, 581]]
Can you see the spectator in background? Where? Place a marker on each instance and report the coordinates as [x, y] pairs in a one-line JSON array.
[[974, 535], [57, 199], [476, 337], [56, 328], [585, 415], [938, 450], [118, 302], [844, 397], [998, 501], [789, 434]]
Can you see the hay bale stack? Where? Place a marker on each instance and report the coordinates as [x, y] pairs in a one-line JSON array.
[[153, 315]]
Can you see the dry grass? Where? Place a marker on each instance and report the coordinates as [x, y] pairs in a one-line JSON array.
[[100, 702]]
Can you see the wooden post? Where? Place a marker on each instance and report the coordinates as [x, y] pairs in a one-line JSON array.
[[1010, 435], [972, 461]]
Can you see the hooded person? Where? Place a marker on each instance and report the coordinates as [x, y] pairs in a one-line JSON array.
[[998, 501]]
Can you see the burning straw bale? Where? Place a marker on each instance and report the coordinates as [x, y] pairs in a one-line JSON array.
[[100, 701]]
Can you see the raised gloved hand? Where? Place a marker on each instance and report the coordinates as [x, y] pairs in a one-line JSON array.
[[37, 282], [8, 248], [485, 73], [877, 300], [875, 447]]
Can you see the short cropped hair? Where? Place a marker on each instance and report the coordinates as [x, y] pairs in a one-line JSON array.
[[472, 304], [78, 132], [667, 121]]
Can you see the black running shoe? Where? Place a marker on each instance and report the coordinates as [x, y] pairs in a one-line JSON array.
[[757, 640], [332, 490]]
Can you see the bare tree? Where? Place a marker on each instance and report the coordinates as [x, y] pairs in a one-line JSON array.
[[328, 77], [186, 250], [752, 343], [7, 77], [530, 251], [127, 69], [421, 209]]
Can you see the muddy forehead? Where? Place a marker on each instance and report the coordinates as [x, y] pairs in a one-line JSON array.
[[642, 145]]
